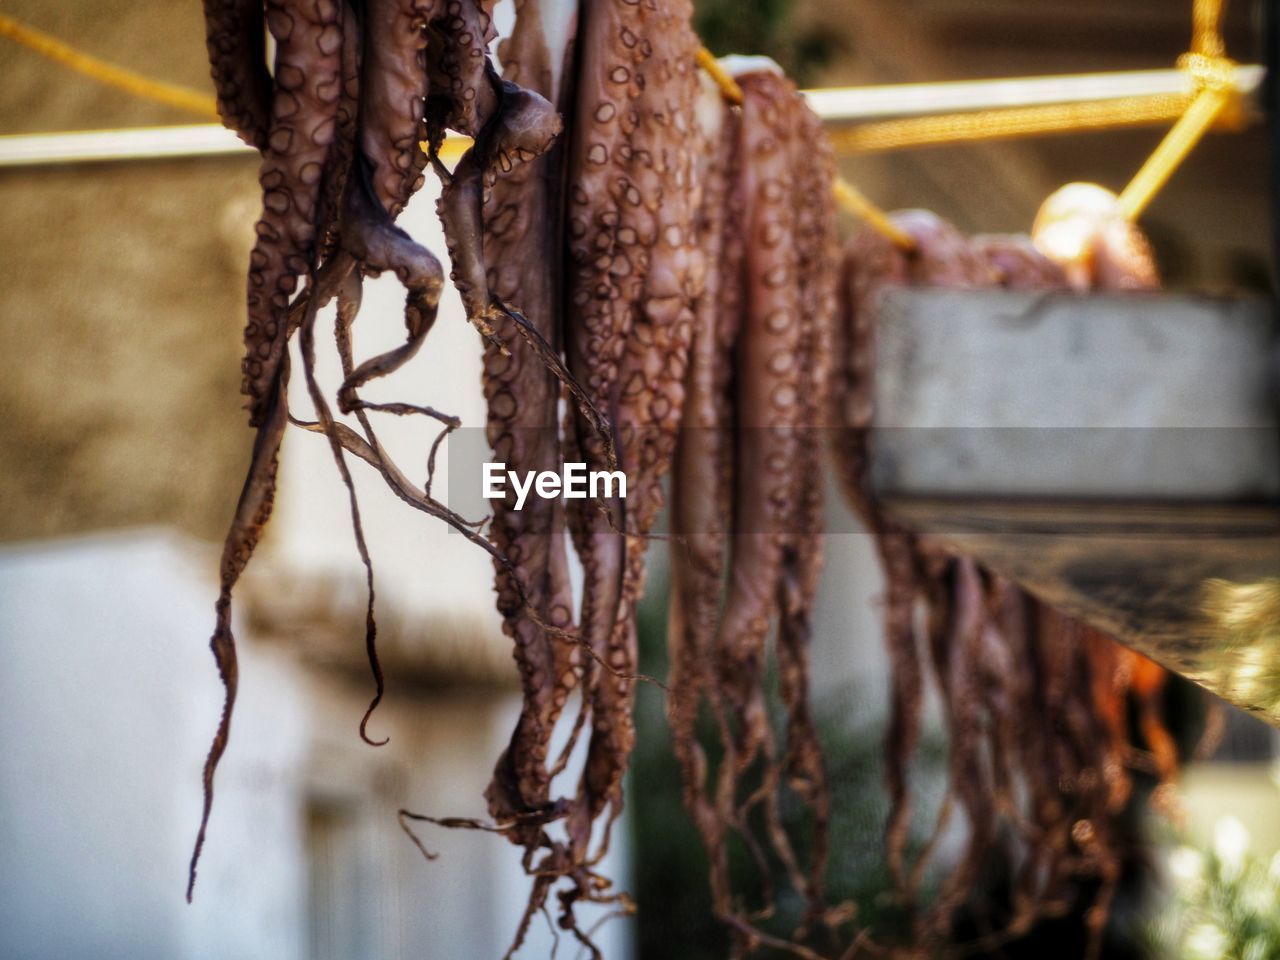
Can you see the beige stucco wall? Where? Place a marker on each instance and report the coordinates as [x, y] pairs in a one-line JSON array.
[[120, 294]]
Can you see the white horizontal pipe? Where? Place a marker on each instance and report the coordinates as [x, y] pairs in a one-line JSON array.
[[917, 99], [837, 105], [140, 143]]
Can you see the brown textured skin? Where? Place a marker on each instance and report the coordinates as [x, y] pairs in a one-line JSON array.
[[460, 40], [749, 448], [302, 130], [303, 124], [607, 240], [817, 247], [667, 279], [235, 34], [769, 405], [702, 496], [252, 513], [339, 158], [521, 225], [371, 237], [393, 96], [1017, 263], [521, 126]]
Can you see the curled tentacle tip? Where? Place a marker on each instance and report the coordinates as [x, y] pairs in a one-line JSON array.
[[364, 731], [403, 816]]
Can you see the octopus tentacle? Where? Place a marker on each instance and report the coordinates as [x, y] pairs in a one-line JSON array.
[[802, 560], [378, 244], [667, 276], [520, 224], [603, 246], [308, 80], [768, 405], [701, 498], [236, 35], [394, 96], [252, 513], [979, 626], [348, 304]]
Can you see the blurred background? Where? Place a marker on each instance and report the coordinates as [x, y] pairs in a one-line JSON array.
[[123, 447]]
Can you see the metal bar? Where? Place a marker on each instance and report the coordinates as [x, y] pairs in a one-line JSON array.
[[141, 143], [850, 104], [838, 105]]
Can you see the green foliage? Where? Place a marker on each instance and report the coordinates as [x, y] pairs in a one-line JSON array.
[[768, 27], [1224, 902]]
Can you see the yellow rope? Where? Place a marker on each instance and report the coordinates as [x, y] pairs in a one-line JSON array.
[[1206, 28], [847, 195], [1009, 122], [1214, 76], [1173, 149], [1212, 71], [143, 87], [133, 83], [729, 88], [856, 202]]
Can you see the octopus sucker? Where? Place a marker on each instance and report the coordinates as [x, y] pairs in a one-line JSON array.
[[393, 96], [236, 33], [303, 123]]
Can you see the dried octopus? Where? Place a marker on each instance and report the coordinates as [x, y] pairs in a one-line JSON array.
[[338, 120], [671, 259], [995, 653], [356, 88], [618, 201], [746, 513]]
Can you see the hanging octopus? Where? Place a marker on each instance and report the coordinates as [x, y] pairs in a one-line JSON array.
[[996, 654], [616, 203], [746, 511], [338, 121]]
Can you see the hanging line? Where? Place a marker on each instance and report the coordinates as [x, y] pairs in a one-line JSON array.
[[847, 195], [1215, 97], [199, 103], [173, 95], [1213, 74], [1205, 62], [1008, 123], [143, 87]]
